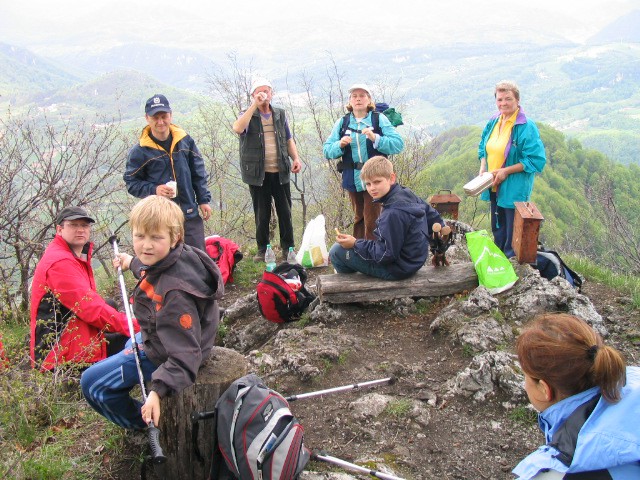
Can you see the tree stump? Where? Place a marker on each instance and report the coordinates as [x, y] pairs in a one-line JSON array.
[[429, 281], [216, 375]]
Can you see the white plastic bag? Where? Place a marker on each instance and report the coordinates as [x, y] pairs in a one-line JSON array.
[[313, 251]]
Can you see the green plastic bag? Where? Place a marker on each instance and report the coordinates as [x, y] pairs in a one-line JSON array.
[[494, 269]]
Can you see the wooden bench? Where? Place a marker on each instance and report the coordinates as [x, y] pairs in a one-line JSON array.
[[429, 281]]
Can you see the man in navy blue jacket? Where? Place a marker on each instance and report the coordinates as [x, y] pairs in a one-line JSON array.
[[402, 231], [166, 162]]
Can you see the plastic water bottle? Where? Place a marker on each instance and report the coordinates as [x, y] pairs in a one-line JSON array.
[[291, 256], [270, 259]]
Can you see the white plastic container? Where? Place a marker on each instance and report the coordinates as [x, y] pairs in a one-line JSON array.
[[479, 184]]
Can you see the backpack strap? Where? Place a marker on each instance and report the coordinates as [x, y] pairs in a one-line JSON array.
[[220, 250], [577, 279], [345, 124], [375, 122], [557, 259], [280, 288]]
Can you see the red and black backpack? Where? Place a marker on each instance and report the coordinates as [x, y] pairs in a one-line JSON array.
[[226, 253], [278, 301]]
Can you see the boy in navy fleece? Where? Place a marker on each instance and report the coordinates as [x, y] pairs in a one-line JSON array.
[[402, 231]]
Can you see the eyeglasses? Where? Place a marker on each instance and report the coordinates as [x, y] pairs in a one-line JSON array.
[[78, 226]]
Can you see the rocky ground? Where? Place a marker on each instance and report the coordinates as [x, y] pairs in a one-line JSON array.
[[457, 409]]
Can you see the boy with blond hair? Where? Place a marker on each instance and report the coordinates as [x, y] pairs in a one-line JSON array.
[[402, 231], [176, 304]]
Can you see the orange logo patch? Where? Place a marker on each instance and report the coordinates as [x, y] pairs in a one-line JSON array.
[[185, 321]]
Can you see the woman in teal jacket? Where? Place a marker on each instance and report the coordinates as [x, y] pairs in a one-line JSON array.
[[589, 403], [511, 149], [360, 135]]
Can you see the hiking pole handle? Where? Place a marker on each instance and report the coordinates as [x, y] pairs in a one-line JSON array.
[[114, 241], [353, 466], [157, 455], [355, 386]]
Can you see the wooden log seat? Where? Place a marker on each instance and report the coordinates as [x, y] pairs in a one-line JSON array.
[[216, 375], [429, 281]]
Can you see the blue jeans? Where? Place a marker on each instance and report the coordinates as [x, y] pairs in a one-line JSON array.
[[106, 386], [502, 226], [348, 261]]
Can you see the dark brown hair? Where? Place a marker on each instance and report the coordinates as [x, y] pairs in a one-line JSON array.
[[570, 356]]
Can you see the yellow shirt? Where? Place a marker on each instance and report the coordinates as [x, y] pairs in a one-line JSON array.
[[497, 143]]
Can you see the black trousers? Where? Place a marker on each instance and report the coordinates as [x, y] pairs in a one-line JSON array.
[[194, 232], [261, 198]]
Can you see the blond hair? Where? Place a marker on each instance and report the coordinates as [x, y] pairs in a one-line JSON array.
[[370, 108], [507, 86], [377, 166], [155, 213]]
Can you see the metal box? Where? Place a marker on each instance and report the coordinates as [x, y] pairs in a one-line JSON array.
[[526, 227]]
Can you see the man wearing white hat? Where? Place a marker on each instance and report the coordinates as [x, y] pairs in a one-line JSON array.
[[268, 155]]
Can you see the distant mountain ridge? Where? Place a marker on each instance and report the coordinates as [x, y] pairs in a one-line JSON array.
[[591, 92], [23, 73], [625, 29]]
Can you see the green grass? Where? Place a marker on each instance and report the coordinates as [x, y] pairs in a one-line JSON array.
[[523, 415], [248, 272], [305, 319], [497, 315], [399, 408], [468, 351], [47, 430], [625, 284]]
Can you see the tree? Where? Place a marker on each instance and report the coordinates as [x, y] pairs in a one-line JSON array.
[[46, 167]]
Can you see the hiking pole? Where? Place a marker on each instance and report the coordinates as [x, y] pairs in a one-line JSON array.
[[352, 466], [355, 386], [157, 456]]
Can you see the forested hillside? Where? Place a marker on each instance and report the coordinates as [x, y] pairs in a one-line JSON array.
[[589, 203]]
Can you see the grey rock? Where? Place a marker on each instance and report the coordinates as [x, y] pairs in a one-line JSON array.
[[255, 334], [324, 312], [243, 307], [486, 373], [370, 406], [484, 333], [533, 295]]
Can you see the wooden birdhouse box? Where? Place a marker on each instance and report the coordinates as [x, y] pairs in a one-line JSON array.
[[526, 228], [446, 203]]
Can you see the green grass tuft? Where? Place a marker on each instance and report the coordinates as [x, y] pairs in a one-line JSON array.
[[523, 415], [625, 284], [399, 408]]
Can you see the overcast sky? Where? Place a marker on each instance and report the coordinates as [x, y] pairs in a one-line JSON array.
[[47, 26]]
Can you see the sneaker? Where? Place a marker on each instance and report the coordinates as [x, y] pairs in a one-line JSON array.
[[259, 257]]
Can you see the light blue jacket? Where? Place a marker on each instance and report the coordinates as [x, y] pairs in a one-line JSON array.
[[608, 440], [389, 143], [524, 147]]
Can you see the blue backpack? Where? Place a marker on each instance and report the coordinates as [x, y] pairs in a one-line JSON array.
[[550, 265]]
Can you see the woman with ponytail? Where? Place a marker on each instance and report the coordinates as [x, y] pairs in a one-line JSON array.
[[589, 403]]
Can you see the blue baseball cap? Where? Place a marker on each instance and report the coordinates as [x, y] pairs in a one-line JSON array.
[[157, 103]]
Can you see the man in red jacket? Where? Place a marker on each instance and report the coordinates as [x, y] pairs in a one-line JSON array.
[[69, 319]]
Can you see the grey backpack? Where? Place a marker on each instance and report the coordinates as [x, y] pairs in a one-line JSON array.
[[257, 435]]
